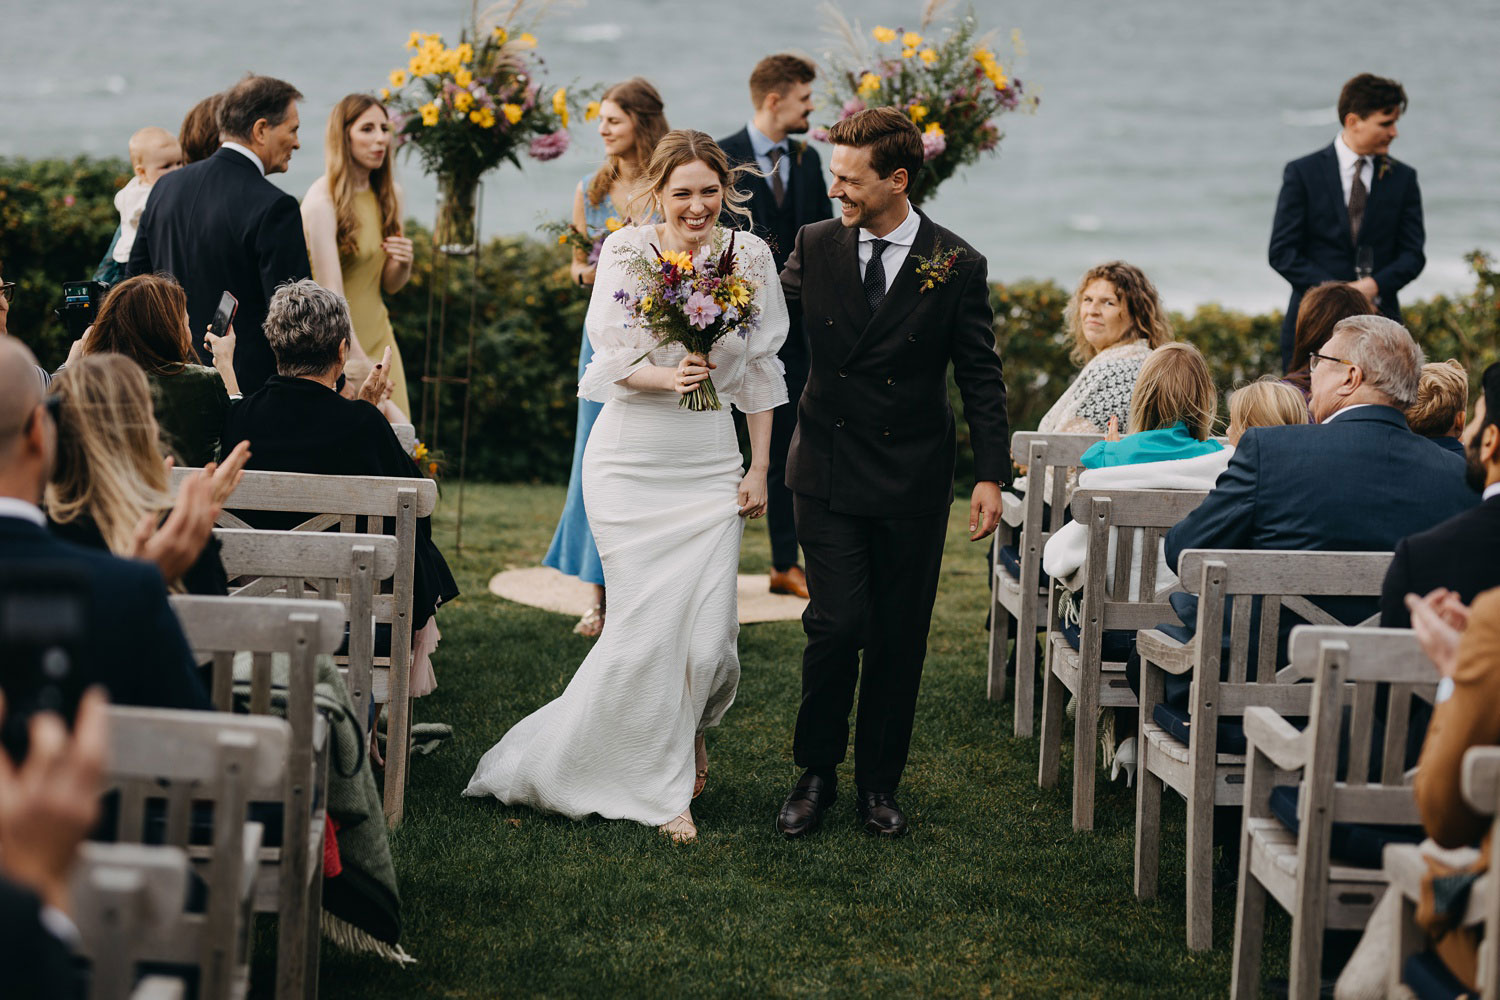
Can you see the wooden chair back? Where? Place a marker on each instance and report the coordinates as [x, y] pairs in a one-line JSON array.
[[128, 903]]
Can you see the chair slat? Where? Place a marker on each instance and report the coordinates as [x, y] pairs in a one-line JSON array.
[[1270, 638], [1239, 638], [1361, 732]]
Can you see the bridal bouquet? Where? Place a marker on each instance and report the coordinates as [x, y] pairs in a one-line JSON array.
[[692, 306], [569, 235], [945, 76]]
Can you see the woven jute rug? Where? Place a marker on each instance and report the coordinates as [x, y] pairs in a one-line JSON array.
[[546, 588]]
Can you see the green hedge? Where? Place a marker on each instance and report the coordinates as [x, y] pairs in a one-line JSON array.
[[56, 218]]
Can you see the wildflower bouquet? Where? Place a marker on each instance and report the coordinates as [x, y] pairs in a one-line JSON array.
[[945, 76], [468, 108], [588, 244], [681, 303]]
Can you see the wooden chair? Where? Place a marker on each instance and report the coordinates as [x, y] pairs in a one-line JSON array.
[[1299, 870], [1137, 520], [1405, 868], [289, 882], [1204, 772], [1026, 523], [332, 566], [407, 435], [166, 767], [128, 901], [340, 501]]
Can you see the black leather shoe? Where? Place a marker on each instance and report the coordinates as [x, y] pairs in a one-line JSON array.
[[803, 809], [880, 814]]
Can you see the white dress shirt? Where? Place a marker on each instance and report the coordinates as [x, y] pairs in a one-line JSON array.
[[900, 239], [246, 151], [1339, 413], [762, 144], [16, 507], [1492, 490], [1347, 157]]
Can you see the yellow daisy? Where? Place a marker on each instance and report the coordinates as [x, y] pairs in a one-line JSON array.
[[883, 35]]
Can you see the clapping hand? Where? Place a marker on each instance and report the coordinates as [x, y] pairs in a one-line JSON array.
[[1439, 620], [373, 391], [176, 545], [398, 249]]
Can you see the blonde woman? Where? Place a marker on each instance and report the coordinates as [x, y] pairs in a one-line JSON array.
[[667, 497], [109, 488], [1269, 401], [352, 219]]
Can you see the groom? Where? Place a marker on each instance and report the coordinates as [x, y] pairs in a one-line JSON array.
[[888, 299]]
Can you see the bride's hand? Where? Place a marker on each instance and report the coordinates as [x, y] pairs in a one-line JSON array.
[[753, 494], [692, 369]]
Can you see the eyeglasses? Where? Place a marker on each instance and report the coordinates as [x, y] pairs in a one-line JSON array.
[[7, 290], [1314, 357]]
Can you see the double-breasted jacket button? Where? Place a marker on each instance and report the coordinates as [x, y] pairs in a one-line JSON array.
[[911, 338], [843, 373], [885, 432], [827, 320], [839, 422], [890, 381]]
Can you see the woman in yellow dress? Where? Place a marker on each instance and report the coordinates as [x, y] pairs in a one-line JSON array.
[[352, 218]]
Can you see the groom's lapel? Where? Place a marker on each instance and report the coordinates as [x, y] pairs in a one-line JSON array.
[[843, 251], [904, 295]]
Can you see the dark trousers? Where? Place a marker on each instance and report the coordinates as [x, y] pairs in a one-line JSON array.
[[873, 583], [781, 518]]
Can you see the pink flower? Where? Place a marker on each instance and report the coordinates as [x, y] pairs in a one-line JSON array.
[[549, 146], [818, 135], [69, 200], [852, 106], [701, 310], [989, 137], [933, 145]]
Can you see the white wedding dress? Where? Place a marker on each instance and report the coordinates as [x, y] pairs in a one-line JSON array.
[[660, 484]]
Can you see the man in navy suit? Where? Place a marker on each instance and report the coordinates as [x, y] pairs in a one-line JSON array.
[[790, 195], [219, 225], [1346, 198], [134, 646]]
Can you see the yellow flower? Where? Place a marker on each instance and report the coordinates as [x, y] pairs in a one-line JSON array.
[[414, 40], [869, 84], [463, 101], [612, 224], [591, 112], [433, 39], [682, 261], [465, 53], [560, 104], [646, 304], [385, 94], [418, 66], [526, 40], [907, 53], [463, 77], [398, 78], [917, 112], [911, 39], [883, 35], [429, 112], [419, 452], [513, 112], [933, 128], [929, 56], [483, 117], [562, 239], [736, 294], [501, 35]]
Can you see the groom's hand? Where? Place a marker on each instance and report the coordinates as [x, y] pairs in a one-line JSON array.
[[984, 510]]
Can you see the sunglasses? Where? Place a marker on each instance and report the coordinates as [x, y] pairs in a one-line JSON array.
[[7, 290], [1313, 358]]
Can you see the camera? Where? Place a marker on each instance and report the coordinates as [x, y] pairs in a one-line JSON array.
[[80, 305], [44, 616]]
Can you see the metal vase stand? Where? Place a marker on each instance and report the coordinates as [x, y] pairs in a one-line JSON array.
[[434, 375]]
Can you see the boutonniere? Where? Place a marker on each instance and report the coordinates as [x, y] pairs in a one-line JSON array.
[[935, 269], [1383, 169]]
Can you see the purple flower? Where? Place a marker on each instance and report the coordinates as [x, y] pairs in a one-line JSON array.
[[622, 296], [701, 310], [852, 106], [548, 146], [731, 315], [933, 145]]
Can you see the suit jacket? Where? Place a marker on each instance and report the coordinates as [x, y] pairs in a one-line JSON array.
[[875, 432], [217, 225], [39, 966], [806, 202], [1462, 554], [1466, 719], [1310, 240], [135, 647], [1360, 483]]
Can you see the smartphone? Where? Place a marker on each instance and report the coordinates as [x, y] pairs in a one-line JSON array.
[[44, 615], [224, 315], [80, 305]]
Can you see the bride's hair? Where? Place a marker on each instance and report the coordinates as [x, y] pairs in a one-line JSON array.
[[682, 146], [643, 106]]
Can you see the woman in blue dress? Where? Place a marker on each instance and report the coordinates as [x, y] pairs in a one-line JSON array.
[[631, 123]]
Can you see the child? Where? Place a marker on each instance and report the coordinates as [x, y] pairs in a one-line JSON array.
[[1267, 402], [153, 152]]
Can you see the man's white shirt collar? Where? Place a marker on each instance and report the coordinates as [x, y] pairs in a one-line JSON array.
[[903, 235], [1346, 157], [1347, 409], [1492, 490], [247, 151], [16, 507]]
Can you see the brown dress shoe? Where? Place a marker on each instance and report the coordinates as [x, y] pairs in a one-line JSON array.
[[880, 814], [789, 581], [804, 808]]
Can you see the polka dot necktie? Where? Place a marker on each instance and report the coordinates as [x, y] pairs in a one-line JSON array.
[[875, 274]]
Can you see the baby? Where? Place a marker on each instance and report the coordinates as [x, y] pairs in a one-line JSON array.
[[1266, 402], [153, 152]]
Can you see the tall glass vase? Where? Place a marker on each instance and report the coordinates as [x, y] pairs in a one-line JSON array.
[[454, 232]]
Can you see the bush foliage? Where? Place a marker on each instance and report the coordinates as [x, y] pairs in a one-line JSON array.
[[56, 218]]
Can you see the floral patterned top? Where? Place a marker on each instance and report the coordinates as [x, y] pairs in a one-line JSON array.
[[1102, 390]]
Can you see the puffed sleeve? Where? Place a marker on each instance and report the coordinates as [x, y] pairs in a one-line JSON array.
[[618, 347], [764, 384]]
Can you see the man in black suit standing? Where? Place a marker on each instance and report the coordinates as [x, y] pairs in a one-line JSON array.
[[790, 195], [1463, 553], [889, 300], [1349, 212], [219, 225]]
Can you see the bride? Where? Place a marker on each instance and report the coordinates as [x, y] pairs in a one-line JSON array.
[[666, 496]]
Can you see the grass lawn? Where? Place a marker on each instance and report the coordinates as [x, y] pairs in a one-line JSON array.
[[991, 894]]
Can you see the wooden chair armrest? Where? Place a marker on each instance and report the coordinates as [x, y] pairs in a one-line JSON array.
[[1267, 732], [1012, 509], [159, 988], [1165, 652]]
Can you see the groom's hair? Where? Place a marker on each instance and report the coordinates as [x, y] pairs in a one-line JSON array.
[[1367, 93], [894, 141], [777, 74]]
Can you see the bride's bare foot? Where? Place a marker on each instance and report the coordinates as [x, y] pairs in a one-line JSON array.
[[700, 759], [681, 829]]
